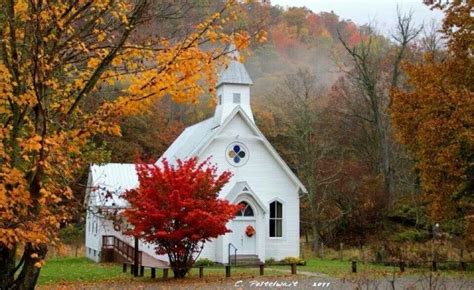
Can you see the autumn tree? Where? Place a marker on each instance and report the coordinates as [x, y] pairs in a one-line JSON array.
[[177, 209], [434, 118], [374, 70], [148, 134], [298, 129], [57, 56]]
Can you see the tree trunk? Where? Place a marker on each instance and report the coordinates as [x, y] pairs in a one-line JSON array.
[[180, 265], [7, 269], [180, 269], [180, 273], [314, 229], [29, 274], [30, 271]]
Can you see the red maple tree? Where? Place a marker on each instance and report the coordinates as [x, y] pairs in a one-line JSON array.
[[177, 209]]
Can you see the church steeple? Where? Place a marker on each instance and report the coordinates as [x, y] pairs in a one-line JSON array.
[[233, 89]]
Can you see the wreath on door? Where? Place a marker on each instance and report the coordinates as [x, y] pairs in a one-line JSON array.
[[117, 227], [250, 231]]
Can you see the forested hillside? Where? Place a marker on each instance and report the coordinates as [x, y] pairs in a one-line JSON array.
[[378, 127], [322, 96]]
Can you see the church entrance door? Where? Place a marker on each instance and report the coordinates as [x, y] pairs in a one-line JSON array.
[[245, 245]]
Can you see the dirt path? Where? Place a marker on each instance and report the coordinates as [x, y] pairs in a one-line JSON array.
[[310, 274], [306, 280]]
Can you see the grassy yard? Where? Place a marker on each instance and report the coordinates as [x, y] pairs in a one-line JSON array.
[[336, 268], [343, 269], [72, 269], [81, 270]]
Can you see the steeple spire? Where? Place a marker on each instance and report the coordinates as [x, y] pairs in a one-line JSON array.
[[235, 73], [233, 88]]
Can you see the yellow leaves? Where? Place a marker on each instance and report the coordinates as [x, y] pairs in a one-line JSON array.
[[3, 196], [141, 73], [100, 35], [262, 36], [241, 40], [101, 4], [52, 84], [21, 6], [212, 35], [21, 10], [8, 237], [33, 143], [44, 192], [11, 176], [6, 87], [93, 62], [27, 98], [114, 130]]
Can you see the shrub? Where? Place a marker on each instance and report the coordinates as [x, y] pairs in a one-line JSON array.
[[204, 262], [412, 236], [270, 261], [291, 260]]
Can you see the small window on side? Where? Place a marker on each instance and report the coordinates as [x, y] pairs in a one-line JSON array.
[[220, 99], [236, 98]]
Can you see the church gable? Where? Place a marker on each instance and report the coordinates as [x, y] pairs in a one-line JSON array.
[[237, 126], [238, 130]]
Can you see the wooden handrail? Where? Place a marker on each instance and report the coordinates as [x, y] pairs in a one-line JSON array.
[[112, 242]]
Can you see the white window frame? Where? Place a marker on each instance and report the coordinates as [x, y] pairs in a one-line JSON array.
[[282, 219]]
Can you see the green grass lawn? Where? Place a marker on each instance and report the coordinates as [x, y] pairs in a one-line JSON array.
[[73, 269], [81, 270], [340, 269], [335, 268]]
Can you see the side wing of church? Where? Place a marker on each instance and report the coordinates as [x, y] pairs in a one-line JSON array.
[[262, 181]]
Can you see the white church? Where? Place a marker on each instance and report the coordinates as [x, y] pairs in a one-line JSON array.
[[262, 181]]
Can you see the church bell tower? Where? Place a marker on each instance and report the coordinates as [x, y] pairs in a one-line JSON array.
[[233, 89]]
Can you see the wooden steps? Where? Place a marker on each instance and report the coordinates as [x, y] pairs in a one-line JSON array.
[[245, 260], [118, 251]]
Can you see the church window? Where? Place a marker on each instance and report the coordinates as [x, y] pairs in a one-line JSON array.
[[246, 210], [276, 219], [220, 99], [237, 154], [236, 98]]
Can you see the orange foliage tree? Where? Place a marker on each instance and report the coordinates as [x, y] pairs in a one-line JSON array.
[[435, 119], [54, 57]]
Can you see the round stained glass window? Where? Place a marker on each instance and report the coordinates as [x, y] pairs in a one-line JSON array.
[[237, 154]]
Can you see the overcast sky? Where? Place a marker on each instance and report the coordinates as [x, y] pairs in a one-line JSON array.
[[383, 12]]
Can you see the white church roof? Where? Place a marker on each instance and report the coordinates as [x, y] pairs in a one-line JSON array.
[[108, 182], [192, 137]]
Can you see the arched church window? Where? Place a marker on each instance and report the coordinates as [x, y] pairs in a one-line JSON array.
[[246, 210], [276, 219]]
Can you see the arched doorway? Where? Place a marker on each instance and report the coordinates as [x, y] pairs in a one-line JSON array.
[[246, 244]]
